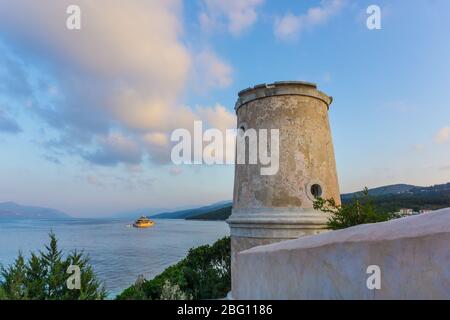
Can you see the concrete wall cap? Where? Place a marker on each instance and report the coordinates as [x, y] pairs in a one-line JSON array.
[[425, 224], [281, 88]]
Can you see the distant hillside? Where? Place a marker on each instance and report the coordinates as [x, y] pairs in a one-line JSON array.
[[134, 214], [416, 198], [381, 191], [219, 214], [182, 214], [388, 198], [11, 210]]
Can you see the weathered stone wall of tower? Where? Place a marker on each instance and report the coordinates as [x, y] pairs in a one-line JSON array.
[[306, 154], [273, 208]]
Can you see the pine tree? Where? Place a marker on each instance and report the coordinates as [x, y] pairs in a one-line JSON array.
[[44, 277], [14, 279], [54, 269], [91, 288], [35, 278]]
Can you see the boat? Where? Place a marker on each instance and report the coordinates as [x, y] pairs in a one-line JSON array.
[[143, 222]]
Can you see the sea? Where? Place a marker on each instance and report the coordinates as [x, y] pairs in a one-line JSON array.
[[118, 252]]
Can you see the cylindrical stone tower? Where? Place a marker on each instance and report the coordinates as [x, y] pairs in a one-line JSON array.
[[272, 208]]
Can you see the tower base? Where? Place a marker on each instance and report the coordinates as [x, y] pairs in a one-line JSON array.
[[255, 227]]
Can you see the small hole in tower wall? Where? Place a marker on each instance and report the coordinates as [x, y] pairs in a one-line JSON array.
[[316, 190], [242, 127]]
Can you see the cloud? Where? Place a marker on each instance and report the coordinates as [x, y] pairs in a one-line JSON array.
[[175, 171], [218, 117], [13, 78], [418, 147], [8, 125], [290, 26], [51, 159], [93, 180], [111, 90], [236, 15], [287, 26], [157, 138], [132, 181], [442, 136], [211, 71], [114, 149]]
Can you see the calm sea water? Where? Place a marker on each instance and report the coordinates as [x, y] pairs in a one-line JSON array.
[[118, 253]]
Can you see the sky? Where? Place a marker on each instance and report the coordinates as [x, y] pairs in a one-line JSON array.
[[86, 115]]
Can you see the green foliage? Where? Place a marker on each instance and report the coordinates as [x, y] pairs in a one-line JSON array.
[[44, 277], [14, 279], [359, 211], [35, 277], [91, 288], [205, 273], [173, 292]]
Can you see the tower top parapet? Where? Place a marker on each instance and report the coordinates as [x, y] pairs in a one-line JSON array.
[[281, 88]]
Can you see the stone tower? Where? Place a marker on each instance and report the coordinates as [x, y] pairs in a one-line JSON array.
[[272, 208]]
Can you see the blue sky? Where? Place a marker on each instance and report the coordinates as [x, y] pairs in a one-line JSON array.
[[85, 115]]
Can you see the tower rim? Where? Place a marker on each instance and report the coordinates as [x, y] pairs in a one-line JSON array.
[[281, 88]]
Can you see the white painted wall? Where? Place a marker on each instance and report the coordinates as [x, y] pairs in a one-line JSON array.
[[412, 253]]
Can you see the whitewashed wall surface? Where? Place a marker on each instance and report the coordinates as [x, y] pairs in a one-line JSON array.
[[407, 258]]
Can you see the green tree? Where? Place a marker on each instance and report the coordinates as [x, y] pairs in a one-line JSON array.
[[91, 287], [55, 270], [44, 277], [35, 278], [13, 285], [173, 292], [2, 294], [359, 211], [205, 273]]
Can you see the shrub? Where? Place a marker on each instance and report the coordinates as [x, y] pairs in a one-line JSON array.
[[359, 211], [173, 292], [205, 273], [44, 277]]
